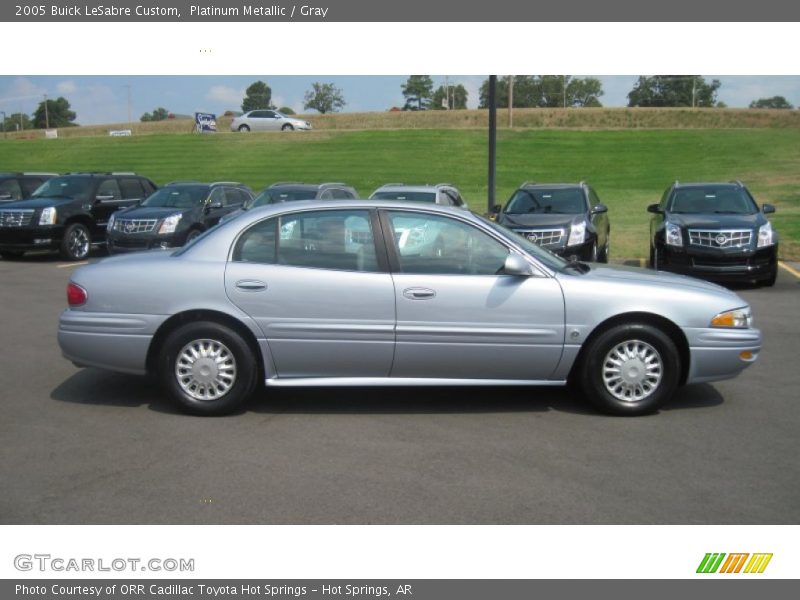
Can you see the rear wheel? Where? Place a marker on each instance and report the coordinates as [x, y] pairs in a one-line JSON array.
[[630, 369], [207, 368], [244, 128], [76, 243]]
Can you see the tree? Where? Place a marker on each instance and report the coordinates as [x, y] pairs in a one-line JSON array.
[[257, 96], [159, 114], [531, 91], [58, 114], [774, 102], [17, 121], [285, 110], [673, 90], [418, 89], [458, 97], [324, 98]]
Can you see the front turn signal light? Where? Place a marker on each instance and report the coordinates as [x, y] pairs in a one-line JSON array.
[[739, 319]]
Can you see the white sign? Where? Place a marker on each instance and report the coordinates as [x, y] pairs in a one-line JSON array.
[[51, 134], [120, 132]]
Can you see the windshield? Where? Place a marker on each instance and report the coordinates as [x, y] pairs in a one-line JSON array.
[[710, 200], [178, 196], [551, 260], [77, 188], [542, 201], [275, 196], [403, 195]]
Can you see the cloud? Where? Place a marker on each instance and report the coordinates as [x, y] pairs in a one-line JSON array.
[[20, 93], [66, 87], [228, 97]]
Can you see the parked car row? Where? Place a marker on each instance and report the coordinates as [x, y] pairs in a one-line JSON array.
[[711, 230]]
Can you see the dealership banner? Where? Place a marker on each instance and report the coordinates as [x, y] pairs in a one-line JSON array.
[[448, 11], [417, 589]]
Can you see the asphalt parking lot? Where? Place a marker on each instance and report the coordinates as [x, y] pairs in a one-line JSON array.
[[87, 446]]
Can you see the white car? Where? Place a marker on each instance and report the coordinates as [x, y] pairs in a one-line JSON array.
[[267, 120]]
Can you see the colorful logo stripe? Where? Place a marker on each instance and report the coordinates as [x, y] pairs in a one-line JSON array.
[[713, 562]]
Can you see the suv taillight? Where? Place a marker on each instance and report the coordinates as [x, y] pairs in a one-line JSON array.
[[76, 295]]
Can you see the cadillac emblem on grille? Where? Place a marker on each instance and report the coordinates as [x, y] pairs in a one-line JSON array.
[[129, 227], [532, 237], [721, 239]]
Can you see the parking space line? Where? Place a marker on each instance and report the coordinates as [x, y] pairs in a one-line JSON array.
[[786, 267], [75, 264]]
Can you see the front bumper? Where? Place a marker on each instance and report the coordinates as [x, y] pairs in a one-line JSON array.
[[579, 251], [718, 354], [21, 239], [722, 265], [119, 243]]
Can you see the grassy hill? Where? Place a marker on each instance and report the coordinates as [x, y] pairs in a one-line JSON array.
[[629, 167]]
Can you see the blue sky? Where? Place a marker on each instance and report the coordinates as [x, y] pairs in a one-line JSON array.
[[104, 99]]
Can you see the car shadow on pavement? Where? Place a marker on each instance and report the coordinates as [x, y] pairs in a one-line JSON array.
[[103, 388]]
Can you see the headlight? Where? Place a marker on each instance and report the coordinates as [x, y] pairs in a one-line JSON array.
[[766, 236], [674, 236], [110, 224], [577, 233], [48, 216], [170, 223], [739, 318]]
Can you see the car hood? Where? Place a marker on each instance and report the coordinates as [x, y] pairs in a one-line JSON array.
[[527, 220], [717, 220], [152, 212], [37, 203], [607, 273]]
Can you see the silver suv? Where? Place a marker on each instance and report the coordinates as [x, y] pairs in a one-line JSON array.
[[443, 194], [267, 120]]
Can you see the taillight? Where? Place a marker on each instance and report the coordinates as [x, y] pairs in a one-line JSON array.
[[76, 295]]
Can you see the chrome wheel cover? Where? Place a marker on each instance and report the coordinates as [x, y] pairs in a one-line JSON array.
[[205, 369], [632, 370], [78, 243]]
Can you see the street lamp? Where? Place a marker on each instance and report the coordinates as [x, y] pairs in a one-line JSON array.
[[2, 112]]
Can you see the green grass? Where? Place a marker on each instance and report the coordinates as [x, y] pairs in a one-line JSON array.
[[629, 168]]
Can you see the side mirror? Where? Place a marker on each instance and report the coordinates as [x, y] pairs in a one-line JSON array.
[[5, 196], [104, 197], [599, 208], [767, 208], [516, 265], [215, 204], [655, 208]]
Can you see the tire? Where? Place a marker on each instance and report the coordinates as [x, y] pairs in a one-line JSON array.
[[655, 262], [771, 279], [594, 253], [244, 128], [606, 249], [11, 254], [194, 382], [77, 242], [287, 127], [647, 377]]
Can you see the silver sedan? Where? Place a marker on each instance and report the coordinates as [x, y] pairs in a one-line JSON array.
[[388, 294]]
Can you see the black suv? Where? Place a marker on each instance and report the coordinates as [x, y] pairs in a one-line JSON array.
[[567, 219], [715, 231], [19, 186], [68, 213], [174, 215], [292, 191]]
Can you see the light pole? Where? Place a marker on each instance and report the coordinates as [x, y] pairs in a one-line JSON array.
[[2, 112], [46, 116], [130, 121], [510, 101]]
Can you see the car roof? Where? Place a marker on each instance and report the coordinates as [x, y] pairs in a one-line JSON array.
[[282, 207], [552, 186], [697, 184], [425, 187], [297, 185]]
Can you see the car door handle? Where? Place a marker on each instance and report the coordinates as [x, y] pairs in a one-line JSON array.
[[251, 285], [419, 293]]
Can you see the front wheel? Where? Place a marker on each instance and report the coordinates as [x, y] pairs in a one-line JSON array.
[[76, 243], [287, 127], [772, 278], [630, 369], [207, 368]]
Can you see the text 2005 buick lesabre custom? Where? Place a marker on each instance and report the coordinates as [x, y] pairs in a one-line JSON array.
[[381, 293]]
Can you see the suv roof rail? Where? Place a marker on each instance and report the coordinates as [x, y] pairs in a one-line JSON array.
[[393, 183], [738, 182], [38, 173], [177, 181], [277, 183], [444, 184], [524, 183], [225, 183], [333, 183], [100, 173]]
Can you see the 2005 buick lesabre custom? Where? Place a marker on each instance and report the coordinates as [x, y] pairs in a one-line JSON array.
[[382, 293]]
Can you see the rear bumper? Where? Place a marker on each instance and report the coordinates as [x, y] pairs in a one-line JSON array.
[[718, 354], [107, 341]]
